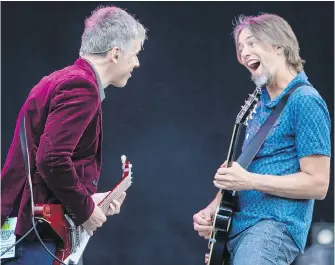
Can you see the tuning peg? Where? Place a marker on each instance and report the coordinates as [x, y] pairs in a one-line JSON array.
[[250, 116], [254, 110]]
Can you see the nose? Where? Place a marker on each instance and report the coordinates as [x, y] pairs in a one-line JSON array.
[[245, 53], [137, 63]]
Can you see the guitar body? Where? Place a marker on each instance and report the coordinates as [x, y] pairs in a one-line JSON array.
[[219, 236], [71, 239], [54, 215]]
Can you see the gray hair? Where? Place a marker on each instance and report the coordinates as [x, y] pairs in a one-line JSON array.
[[274, 30], [110, 27]]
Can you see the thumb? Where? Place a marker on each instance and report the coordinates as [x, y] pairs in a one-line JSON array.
[[122, 197], [207, 215], [98, 197], [224, 164], [104, 194]]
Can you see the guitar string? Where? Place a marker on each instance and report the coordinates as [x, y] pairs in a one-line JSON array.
[[105, 207], [104, 204], [112, 195], [115, 194]]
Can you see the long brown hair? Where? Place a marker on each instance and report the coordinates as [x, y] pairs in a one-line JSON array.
[[274, 30]]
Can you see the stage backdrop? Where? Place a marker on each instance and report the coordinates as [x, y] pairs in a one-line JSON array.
[[175, 117]]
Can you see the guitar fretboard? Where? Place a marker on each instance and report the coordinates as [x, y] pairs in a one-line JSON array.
[[115, 194]]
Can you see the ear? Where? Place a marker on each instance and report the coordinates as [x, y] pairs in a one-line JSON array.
[[280, 50], [113, 54]]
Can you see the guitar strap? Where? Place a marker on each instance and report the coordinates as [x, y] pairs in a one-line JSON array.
[[23, 139], [255, 144]]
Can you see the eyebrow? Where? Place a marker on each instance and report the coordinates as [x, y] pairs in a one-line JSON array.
[[249, 37]]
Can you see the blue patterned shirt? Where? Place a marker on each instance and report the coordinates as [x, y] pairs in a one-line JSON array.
[[302, 129]]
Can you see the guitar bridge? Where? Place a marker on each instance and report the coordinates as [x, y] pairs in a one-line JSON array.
[[73, 234]]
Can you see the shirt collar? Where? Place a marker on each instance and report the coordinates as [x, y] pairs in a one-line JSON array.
[[101, 89], [301, 77]]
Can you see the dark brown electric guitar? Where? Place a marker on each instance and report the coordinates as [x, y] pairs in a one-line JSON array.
[[227, 200]]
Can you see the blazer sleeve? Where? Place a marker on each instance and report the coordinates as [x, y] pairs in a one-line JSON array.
[[71, 110]]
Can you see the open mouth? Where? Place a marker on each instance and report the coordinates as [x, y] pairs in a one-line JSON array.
[[253, 65]]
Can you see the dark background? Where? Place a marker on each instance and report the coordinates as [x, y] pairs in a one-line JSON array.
[[173, 120]]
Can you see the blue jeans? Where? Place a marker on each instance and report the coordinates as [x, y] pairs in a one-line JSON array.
[[266, 243], [32, 253]]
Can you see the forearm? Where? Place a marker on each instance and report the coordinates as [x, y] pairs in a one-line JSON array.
[[294, 186]]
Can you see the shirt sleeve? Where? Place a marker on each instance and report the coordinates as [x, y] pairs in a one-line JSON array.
[[312, 126]]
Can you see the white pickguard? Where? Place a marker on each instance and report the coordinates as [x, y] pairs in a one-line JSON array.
[[83, 239], [76, 255]]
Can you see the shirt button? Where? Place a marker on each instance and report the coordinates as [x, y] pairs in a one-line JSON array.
[[95, 182]]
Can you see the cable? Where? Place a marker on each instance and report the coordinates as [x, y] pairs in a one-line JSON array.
[[45, 247], [25, 150], [31, 229]]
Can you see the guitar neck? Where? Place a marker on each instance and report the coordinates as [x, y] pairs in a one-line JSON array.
[[230, 159], [233, 145], [115, 193]]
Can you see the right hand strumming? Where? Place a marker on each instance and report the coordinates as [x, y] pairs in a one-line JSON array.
[[203, 222]]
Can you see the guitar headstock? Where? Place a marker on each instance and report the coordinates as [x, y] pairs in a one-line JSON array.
[[248, 108], [126, 167], [124, 183]]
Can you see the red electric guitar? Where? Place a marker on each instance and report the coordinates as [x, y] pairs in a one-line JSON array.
[[73, 239]]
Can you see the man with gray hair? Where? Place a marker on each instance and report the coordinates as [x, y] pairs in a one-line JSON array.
[[291, 169], [64, 134]]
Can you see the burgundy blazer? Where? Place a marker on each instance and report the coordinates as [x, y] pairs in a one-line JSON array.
[[64, 134]]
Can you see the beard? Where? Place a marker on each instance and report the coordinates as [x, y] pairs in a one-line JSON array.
[[263, 79]]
